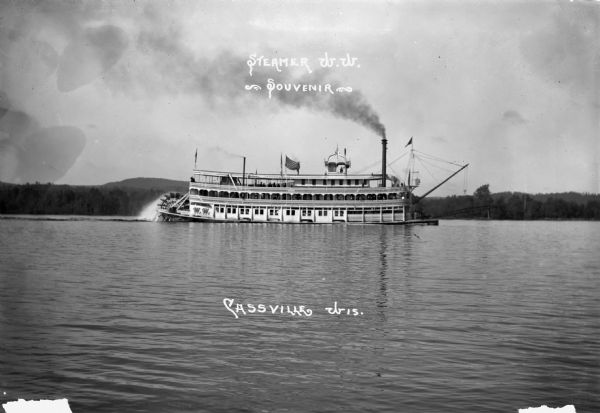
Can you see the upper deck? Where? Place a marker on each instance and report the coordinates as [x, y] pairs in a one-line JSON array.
[[237, 179], [330, 184]]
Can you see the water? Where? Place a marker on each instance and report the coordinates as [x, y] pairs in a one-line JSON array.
[[467, 316]]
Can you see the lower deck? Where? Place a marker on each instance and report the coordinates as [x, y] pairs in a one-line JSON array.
[[262, 211], [295, 214]]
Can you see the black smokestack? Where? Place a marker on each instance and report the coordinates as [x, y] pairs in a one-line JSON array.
[[383, 159]]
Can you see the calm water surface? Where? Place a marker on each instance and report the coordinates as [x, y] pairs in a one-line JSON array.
[[468, 316]]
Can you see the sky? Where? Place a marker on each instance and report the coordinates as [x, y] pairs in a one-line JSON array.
[[99, 91]]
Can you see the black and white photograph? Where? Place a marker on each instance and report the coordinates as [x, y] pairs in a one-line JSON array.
[[299, 206]]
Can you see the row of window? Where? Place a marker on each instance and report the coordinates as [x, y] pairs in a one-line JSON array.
[[332, 182], [337, 212], [216, 180], [297, 197]]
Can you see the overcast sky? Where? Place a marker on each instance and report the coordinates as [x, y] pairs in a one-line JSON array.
[[92, 92]]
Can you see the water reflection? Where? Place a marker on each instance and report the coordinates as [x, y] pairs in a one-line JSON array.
[[132, 313]]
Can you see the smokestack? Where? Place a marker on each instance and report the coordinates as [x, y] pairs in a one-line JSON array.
[[383, 160], [244, 173]]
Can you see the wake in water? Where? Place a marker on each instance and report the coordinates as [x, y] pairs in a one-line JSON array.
[[149, 212]]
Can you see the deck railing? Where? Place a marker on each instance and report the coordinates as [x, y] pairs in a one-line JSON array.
[[300, 189], [288, 203]]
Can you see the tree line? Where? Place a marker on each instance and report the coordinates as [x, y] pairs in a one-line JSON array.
[[130, 201], [74, 200], [513, 205]]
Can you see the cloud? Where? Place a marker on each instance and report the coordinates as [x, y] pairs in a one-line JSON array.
[[513, 117], [47, 154], [439, 139], [565, 49], [90, 55], [29, 152]]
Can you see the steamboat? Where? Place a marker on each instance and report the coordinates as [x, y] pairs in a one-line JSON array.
[[334, 196]]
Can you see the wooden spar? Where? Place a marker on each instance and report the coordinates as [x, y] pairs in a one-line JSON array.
[[440, 184]]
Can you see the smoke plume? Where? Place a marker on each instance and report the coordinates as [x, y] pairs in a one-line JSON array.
[[220, 80]]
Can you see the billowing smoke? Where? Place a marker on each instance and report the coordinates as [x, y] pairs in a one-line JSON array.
[[220, 81], [346, 105]]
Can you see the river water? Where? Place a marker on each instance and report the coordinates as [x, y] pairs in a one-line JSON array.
[[469, 316]]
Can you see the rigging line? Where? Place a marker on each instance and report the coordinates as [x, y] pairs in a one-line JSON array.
[[436, 165], [397, 159], [395, 173], [378, 161], [433, 165], [439, 170], [437, 159], [424, 166], [433, 158], [367, 167]]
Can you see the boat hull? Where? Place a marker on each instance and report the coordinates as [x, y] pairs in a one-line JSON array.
[[165, 215]]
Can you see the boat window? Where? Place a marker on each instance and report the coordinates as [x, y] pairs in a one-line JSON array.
[[314, 181], [341, 182], [228, 210], [293, 212], [332, 182], [356, 182], [193, 191], [303, 181]]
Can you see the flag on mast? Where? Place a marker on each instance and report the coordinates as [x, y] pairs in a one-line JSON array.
[[292, 164], [409, 142], [196, 157]]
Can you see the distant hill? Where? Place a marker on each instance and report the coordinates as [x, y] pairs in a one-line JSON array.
[[165, 185]]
